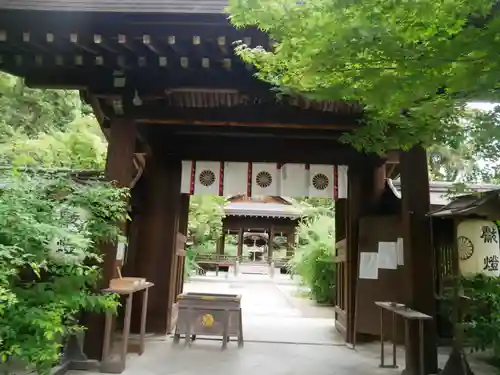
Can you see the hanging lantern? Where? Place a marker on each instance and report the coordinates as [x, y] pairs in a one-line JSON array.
[[478, 247]]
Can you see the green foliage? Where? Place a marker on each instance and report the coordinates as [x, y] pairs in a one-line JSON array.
[[30, 112], [472, 154], [47, 128], [413, 65], [79, 146], [483, 313], [313, 259], [313, 206], [205, 218], [49, 261]]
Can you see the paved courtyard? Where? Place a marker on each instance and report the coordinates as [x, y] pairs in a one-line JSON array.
[[284, 335]]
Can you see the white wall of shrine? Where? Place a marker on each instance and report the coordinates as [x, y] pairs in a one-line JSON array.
[[259, 179]]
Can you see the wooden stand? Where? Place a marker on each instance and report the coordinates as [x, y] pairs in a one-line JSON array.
[[408, 315], [207, 314], [110, 364]]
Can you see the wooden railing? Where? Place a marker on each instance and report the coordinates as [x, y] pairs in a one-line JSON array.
[[215, 258], [231, 259]]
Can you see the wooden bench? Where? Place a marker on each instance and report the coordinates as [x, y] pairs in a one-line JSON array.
[[408, 315]]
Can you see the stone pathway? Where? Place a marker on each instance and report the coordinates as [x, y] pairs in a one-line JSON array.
[[284, 335]]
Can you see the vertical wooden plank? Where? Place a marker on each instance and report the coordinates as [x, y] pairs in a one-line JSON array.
[[158, 233], [240, 242], [340, 234], [419, 255], [270, 244], [173, 168], [364, 187], [351, 264], [290, 243], [183, 229], [120, 169]]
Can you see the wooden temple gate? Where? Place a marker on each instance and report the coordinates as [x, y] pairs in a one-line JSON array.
[[163, 82]]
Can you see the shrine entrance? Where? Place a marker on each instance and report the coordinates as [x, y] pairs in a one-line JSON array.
[[170, 94], [260, 214]]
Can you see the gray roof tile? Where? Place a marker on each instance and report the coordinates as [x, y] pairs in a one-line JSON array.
[[125, 6]]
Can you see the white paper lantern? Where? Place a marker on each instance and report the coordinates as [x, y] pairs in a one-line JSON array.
[[478, 247]]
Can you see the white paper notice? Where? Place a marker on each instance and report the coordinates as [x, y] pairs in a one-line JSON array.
[[368, 267], [387, 255], [120, 251], [401, 252]]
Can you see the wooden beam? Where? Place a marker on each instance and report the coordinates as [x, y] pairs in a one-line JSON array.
[[250, 124], [158, 79], [246, 222], [277, 150], [259, 115], [96, 107]]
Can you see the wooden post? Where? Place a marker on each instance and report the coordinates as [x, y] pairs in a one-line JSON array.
[[218, 246], [290, 242], [270, 244], [240, 243], [119, 168], [418, 257], [363, 181], [352, 245], [158, 239], [340, 234], [183, 229]]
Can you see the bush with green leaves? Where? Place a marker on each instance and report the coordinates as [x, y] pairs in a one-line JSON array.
[[482, 315], [205, 219], [50, 228], [313, 259]]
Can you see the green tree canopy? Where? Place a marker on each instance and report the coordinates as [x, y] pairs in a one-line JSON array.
[[205, 218], [47, 128], [30, 111], [80, 145], [413, 65]]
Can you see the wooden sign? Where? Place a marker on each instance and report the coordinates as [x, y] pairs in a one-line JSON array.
[[181, 245]]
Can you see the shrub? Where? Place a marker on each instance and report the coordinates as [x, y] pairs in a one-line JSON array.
[[49, 262], [313, 259]]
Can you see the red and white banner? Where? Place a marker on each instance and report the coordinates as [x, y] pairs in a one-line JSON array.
[[294, 180], [252, 179], [265, 179], [235, 178]]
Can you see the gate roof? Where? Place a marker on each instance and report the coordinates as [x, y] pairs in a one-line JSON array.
[[120, 6]]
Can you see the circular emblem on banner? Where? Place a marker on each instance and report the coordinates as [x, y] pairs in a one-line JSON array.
[[264, 179], [465, 248], [207, 177], [207, 320], [320, 181]]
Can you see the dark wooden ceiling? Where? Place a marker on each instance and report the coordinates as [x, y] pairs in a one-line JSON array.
[[176, 74]]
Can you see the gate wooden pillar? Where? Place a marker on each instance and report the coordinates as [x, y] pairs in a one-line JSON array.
[[364, 186], [418, 256], [183, 229], [341, 290], [354, 202], [159, 226], [119, 168]]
